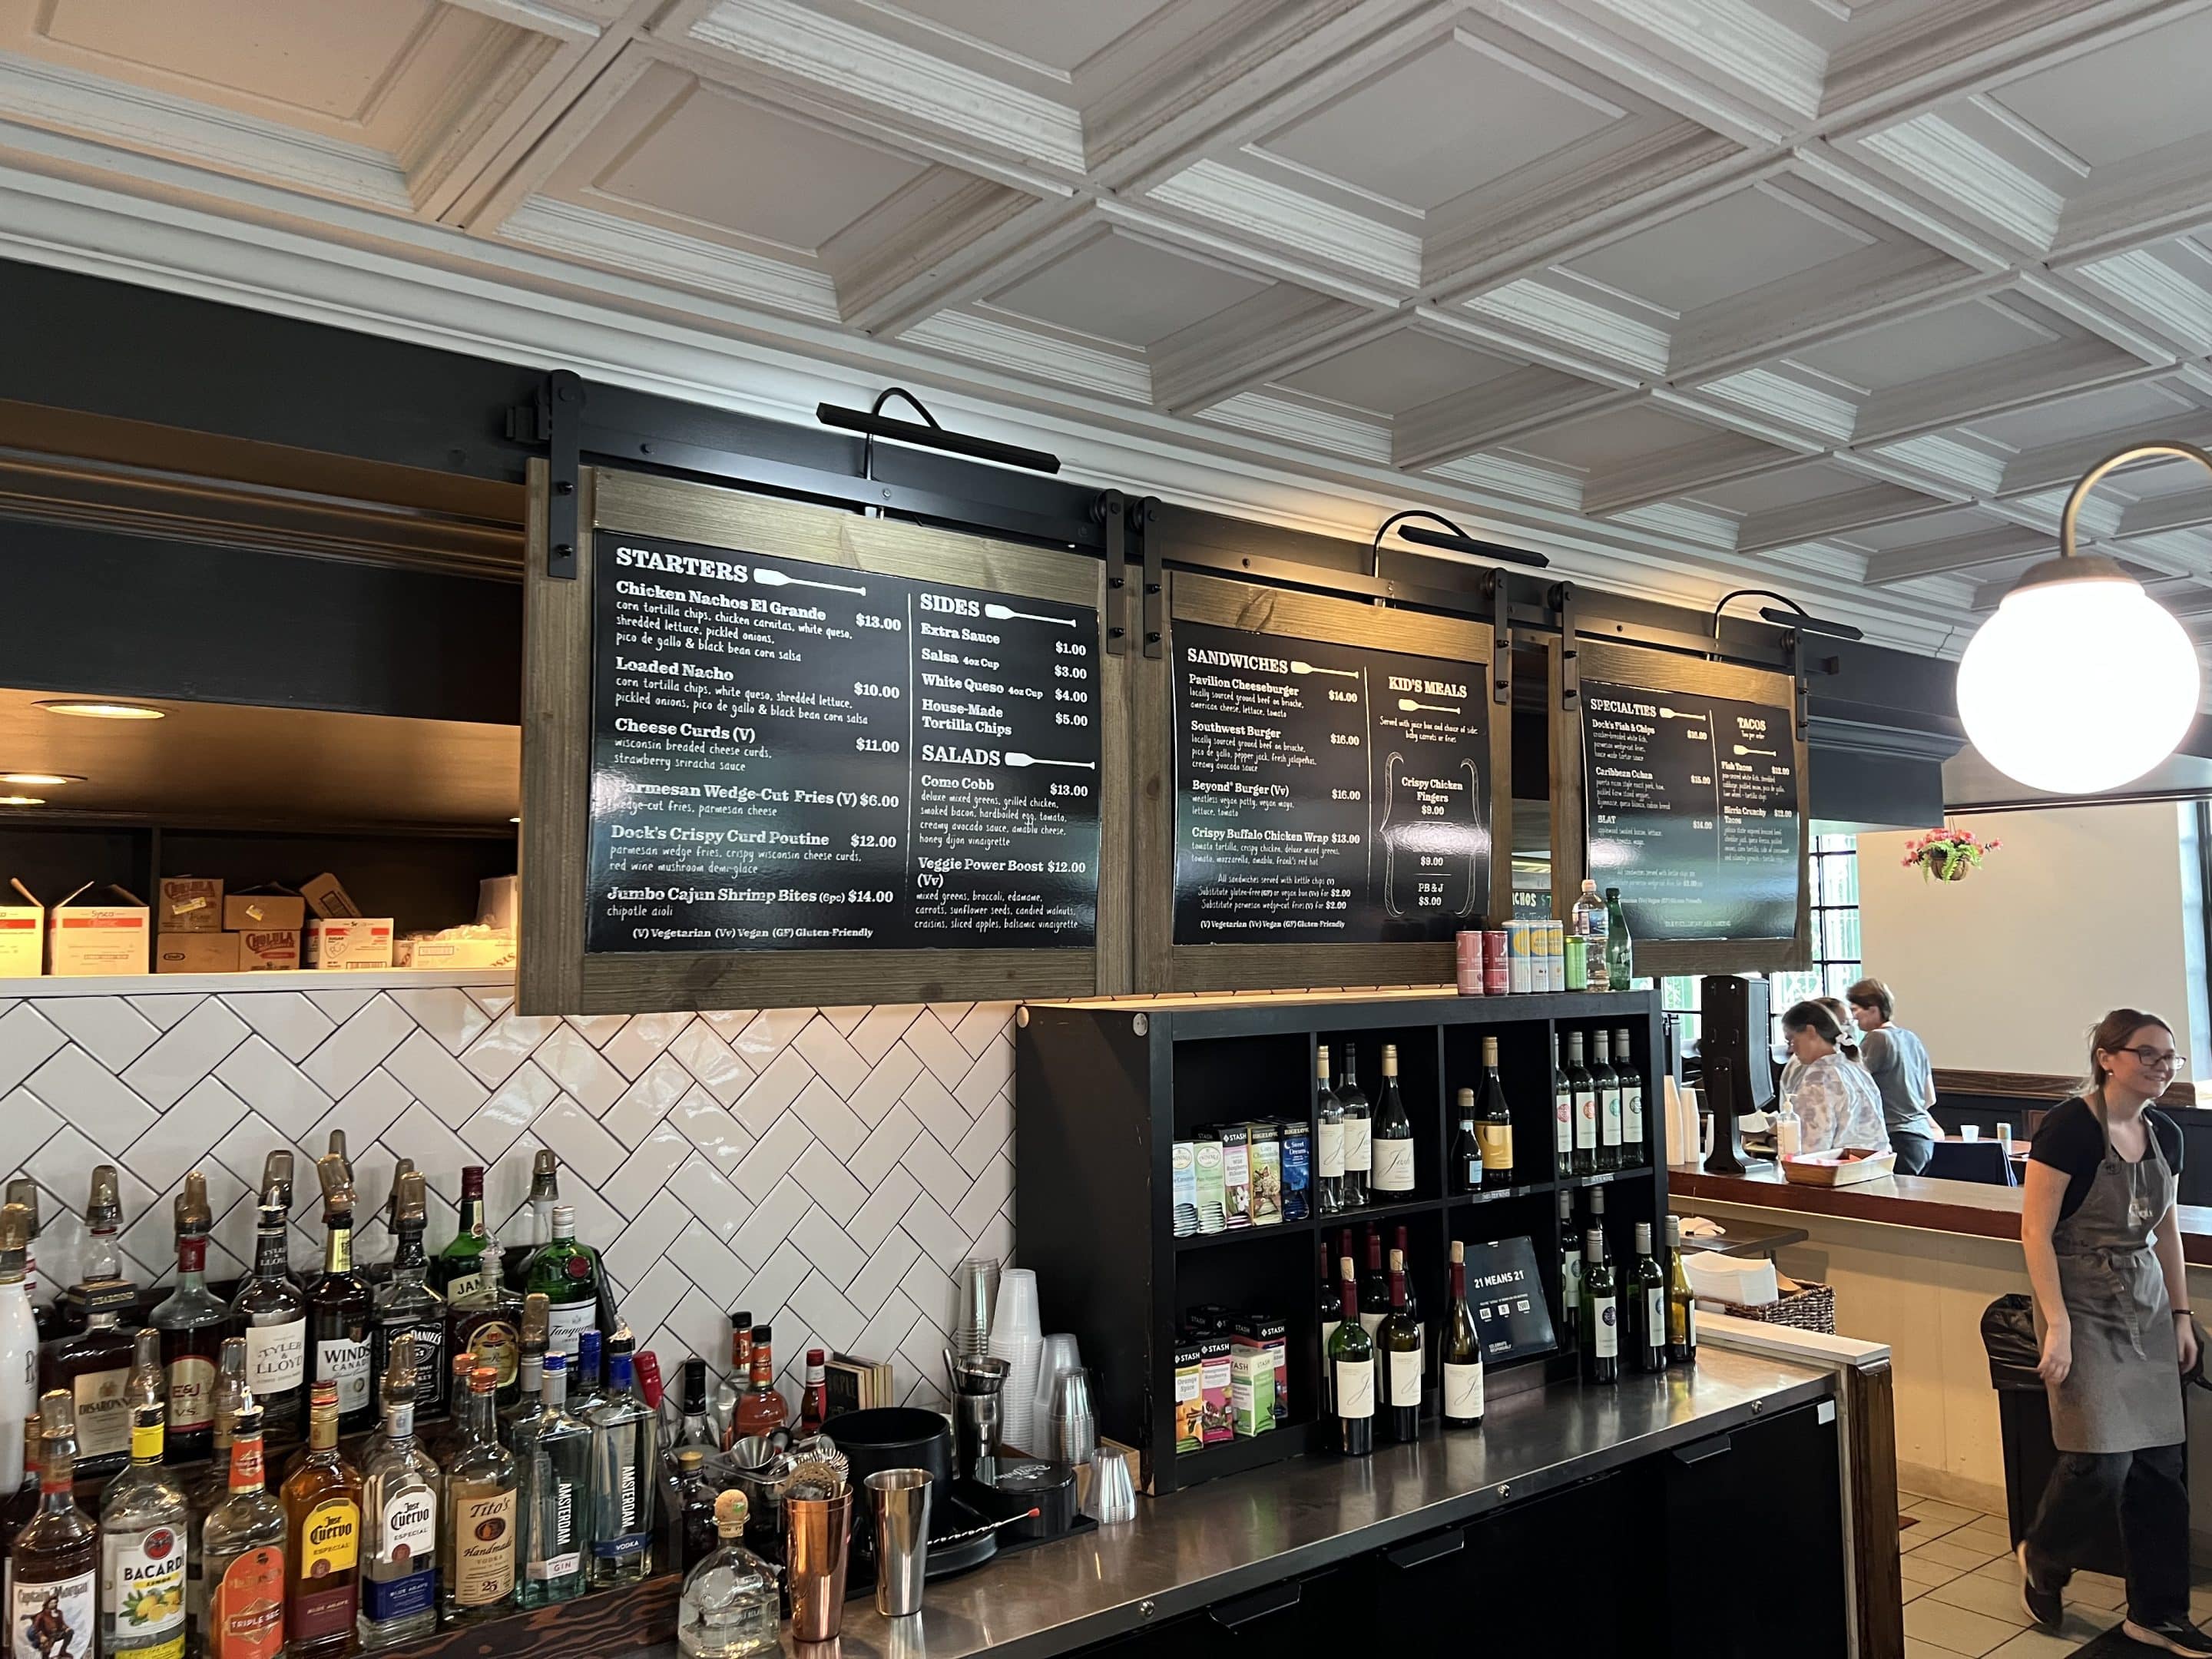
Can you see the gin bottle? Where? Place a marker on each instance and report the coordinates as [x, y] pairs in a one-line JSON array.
[[729, 1607], [625, 1464], [553, 1465], [477, 1553], [399, 1504], [567, 1274]]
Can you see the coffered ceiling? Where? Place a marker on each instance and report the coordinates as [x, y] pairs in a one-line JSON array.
[[1837, 295]]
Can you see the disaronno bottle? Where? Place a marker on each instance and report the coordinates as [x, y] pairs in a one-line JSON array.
[[142, 1532], [322, 1539], [53, 1567], [242, 1556], [399, 1518], [93, 1362], [477, 1553]]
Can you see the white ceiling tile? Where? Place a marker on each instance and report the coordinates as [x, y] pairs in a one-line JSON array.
[[1743, 242], [1608, 441], [1060, 36], [1121, 287], [2066, 418], [1957, 337], [2122, 101], [1398, 372]]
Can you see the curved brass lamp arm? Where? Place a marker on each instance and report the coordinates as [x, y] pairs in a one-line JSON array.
[[2111, 463]]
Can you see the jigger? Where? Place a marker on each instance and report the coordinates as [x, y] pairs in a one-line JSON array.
[[977, 1416]]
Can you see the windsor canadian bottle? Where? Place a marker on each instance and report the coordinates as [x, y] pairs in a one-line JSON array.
[[340, 1305]]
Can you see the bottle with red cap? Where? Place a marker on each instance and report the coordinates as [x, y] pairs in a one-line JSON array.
[[814, 1403]]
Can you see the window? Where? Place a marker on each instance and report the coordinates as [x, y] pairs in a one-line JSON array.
[[1837, 963]]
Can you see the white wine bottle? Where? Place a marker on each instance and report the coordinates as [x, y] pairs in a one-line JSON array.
[[1391, 1137], [1462, 1356]]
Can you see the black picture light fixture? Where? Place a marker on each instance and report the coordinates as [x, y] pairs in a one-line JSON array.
[[872, 423], [1796, 616], [1451, 539]]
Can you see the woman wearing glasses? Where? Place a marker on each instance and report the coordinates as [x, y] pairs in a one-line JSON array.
[[1835, 1101], [2112, 1305]]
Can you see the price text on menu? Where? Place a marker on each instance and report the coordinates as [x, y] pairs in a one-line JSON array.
[[1692, 806], [1325, 793], [789, 755]]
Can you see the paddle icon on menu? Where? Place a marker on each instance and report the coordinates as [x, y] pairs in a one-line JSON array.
[[777, 578], [1741, 750], [1007, 613], [1410, 707], [1297, 667], [1015, 757]]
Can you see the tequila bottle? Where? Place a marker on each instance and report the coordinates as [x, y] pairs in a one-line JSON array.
[[141, 1530], [625, 1474], [53, 1565], [406, 1305], [553, 1460], [242, 1555], [476, 1553], [321, 1498], [729, 1606], [399, 1506], [190, 1323]]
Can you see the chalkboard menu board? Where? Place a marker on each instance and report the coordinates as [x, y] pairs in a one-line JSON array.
[[786, 754], [1325, 792], [1692, 808]]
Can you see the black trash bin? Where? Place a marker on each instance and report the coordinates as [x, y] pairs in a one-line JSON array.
[[2024, 1421]]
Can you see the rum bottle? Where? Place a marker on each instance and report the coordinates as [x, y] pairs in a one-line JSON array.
[[191, 1322], [142, 1523], [92, 1363], [53, 1565], [478, 1535], [399, 1503], [321, 1498]]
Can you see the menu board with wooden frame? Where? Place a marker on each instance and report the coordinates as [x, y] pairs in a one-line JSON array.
[[1318, 785], [776, 754], [1683, 781]]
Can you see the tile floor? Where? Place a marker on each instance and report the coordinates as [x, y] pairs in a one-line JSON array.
[[1962, 1592]]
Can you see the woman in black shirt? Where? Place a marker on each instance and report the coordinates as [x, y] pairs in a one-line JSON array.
[[2112, 1307]]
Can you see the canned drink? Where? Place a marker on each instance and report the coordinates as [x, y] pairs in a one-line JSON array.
[[1524, 957], [1497, 968], [1577, 964], [1470, 963], [1555, 954]]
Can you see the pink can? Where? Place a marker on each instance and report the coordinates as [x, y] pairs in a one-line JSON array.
[[1470, 964], [1497, 965]]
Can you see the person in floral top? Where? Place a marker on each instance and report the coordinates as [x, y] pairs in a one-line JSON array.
[[1837, 1103]]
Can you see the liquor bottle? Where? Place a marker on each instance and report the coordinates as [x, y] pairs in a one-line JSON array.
[[483, 1320], [19, 1345], [694, 1507], [1357, 1125], [584, 1389], [567, 1274], [1390, 1141], [730, 1606], [406, 1305], [191, 1321], [1374, 1286], [1332, 1304], [212, 1484], [1631, 1102], [1462, 1352], [1584, 1092], [100, 1263], [460, 1268], [529, 1370], [442, 1440], [19, 1506], [143, 1518], [1463, 1167], [1563, 1110], [340, 1304], [1607, 1084], [322, 1499], [544, 1193], [1681, 1306], [1589, 925], [399, 1504], [1646, 1293], [92, 1363], [53, 1565], [762, 1410], [814, 1402], [553, 1470], [242, 1553], [476, 1541], [1328, 1141], [1398, 1340], [1600, 1316], [624, 1465], [723, 1412], [378, 1272], [270, 1312], [1570, 1276], [1620, 950], [336, 1149], [687, 1424], [24, 1191], [1493, 1122], [1352, 1371]]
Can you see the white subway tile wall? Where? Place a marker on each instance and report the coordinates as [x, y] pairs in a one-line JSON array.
[[826, 1169]]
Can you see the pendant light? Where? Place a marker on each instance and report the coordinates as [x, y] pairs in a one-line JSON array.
[[2081, 682]]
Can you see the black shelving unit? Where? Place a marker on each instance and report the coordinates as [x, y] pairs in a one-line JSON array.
[[1103, 1090]]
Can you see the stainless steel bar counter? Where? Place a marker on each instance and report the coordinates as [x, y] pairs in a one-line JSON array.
[[1245, 1532]]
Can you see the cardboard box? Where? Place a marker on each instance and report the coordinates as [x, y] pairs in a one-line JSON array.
[[349, 942], [188, 904], [498, 902], [260, 909], [23, 935], [325, 894], [433, 951], [100, 929], [196, 953], [261, 950]]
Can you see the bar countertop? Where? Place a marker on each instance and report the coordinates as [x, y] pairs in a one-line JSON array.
[[1970, 1207], [1188, 1551]]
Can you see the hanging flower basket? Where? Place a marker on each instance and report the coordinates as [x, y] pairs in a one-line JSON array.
[[1947, 854]]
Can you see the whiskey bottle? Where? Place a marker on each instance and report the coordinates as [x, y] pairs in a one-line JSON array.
[[276, 1171], [191, 1321], [339, 1306], [143, 1518], [321, 1497], [544, 1193], [553, 1468], [19, 1347], [53, 1565], [762, 1409], [723, 1413], [624, 1472], [567, 1274], [378, 1272], [399, 1504], [270, 1312], [242, 1555], [207, 1489], [406, 1305], [478, 1554], [93, 1363]]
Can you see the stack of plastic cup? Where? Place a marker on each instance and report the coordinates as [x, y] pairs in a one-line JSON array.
[[976, 1285], [1060, 1354], [1018, 1338]]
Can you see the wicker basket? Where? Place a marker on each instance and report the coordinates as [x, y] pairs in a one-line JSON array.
[[1809, 1308]]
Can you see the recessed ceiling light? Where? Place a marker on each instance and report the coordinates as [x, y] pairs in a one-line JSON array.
[[43, 780], [93, 708], [22, 801]]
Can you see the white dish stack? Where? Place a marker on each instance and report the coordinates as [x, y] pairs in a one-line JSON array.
[[1018, 1338]]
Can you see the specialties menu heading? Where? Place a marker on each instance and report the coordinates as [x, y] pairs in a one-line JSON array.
[[1326, 793], [787, 756], [1692, 805]]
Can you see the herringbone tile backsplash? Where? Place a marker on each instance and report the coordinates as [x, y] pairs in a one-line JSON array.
[[826, 1169]]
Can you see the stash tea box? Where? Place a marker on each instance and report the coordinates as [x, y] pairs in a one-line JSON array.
[[100, 929]]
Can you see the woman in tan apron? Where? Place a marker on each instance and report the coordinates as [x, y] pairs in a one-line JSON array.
[[2112, 1309]]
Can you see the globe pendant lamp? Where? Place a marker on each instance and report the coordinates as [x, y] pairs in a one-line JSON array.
[[2081, 682]]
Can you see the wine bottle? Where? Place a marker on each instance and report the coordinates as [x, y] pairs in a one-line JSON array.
[[1620, 950], [1681, 1306], [1631, 1102], [1493, 1122], [1647, 1285], [1463, 1168], [1607, 1087], [1332, 1304], [1328, 1144], [1571, 1275], [1600, 1316], [1374, 1286], [1391, 1140], [1563, 1110], [1352, 1371], [1462, 1352], [1398, 1341], [1358, 1123], [1585, 1107]]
